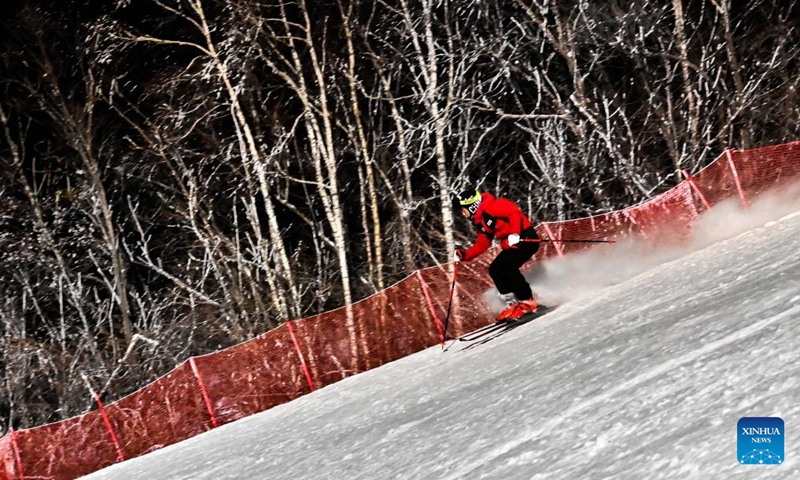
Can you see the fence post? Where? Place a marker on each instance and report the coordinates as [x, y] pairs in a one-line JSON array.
[[729, 155], [629, 216], [696, 188], [300, 354], [429, 301], [559, 247], [107, 421], [204, 391], [17, 458]]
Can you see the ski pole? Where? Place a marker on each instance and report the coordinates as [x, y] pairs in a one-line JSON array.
[[450, 304], [539, 240]]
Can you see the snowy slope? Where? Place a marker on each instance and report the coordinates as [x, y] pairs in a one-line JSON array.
[[644, 379]]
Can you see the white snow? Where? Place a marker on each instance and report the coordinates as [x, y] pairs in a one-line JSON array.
[[642, 374]]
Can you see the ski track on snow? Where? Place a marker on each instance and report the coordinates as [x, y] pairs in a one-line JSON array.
[[651, 374]]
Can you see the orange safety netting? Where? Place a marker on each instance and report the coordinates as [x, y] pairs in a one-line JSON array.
[[307, 354]]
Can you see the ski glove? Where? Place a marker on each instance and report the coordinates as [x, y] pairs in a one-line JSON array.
[[460, 255], [513, 239]]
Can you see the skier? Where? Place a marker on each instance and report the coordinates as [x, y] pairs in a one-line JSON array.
[[501, 219]]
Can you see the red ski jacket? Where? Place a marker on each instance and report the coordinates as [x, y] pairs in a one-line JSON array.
[[496, 218]]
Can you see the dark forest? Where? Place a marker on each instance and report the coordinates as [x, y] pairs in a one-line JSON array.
[[178, 176]]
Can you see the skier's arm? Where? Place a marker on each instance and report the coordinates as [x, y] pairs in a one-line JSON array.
[[482, 243], [512, 214]]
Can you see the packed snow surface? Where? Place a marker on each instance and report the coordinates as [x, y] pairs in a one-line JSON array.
[[645, 378]]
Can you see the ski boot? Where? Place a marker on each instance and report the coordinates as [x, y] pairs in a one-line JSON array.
[[522, 307]]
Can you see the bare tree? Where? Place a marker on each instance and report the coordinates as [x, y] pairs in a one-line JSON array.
[[252, 156]]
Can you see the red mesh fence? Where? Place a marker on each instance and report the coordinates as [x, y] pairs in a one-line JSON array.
[[253, 376], [383, 327], [330, 344], [405, 318], [598, 227], [8, 459], [766, 168], [467, 308], [668, 218], [716, 182], [67, 449], [154, 417]]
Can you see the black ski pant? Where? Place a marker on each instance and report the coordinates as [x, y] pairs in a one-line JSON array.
[[504, 269]]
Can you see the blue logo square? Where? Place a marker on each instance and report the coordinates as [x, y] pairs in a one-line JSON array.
[[760, 441]]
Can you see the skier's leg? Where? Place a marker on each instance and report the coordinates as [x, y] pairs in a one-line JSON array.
[[513, 280], [498, 270], [505, 270], [519, 285]]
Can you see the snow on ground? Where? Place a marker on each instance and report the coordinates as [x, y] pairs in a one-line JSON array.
[[642, 374]]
